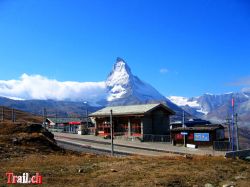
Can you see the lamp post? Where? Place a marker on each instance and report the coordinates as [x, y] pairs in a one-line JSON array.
[[111, 133], [184, 126], [86, 110]]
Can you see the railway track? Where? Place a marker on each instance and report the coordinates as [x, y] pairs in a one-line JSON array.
[[88, 149], [104, 147]]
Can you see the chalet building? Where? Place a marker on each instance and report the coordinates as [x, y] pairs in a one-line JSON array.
[[203, 135], [64, 124], [70, 125], [134, 120]]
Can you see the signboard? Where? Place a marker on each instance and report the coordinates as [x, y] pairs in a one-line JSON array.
[[184, 133], [202, 137]]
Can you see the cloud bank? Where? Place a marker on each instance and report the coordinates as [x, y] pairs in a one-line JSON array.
[[164, 70], [244, 81], [42, 88]]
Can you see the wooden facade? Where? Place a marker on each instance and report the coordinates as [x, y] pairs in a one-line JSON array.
[[200, 135], [134, 120], [123, 125]]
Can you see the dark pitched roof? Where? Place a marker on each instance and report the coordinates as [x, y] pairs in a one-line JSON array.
[[64, 120], [192, 123], [198, 128], [130, 110]]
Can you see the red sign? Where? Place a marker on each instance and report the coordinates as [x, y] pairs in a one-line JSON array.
[[75, 123]]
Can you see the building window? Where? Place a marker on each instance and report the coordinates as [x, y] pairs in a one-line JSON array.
[[191, 136], [178, 137], [135, 126]]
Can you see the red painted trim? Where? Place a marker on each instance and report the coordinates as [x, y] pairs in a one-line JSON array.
[[75, 123]]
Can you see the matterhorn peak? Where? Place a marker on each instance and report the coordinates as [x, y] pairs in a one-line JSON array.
[[120, 74], [121, 65], [124, 87], [119, 59]]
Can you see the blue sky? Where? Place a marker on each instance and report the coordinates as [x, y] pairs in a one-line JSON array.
[[183, 48]]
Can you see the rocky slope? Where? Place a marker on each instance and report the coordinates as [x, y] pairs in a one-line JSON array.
[[24, 136]]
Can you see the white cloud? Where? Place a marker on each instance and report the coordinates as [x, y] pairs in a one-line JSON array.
[[164, 70], [243, 82], [40, 87], [245, 90]]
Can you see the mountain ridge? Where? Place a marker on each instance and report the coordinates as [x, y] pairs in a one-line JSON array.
[[121, 88], [217, 107]]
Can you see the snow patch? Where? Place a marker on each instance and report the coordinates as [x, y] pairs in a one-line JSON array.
[[120, 74], [209, 94], [246, 95], [202, 111], [13, 98], [183, 101], [116, 92]]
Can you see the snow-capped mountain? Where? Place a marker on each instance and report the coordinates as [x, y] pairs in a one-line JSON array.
[[34, 92], [216, 107], [125, 88], [120, 88]]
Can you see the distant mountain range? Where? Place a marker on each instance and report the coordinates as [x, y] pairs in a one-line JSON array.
[[53, 108], [217, 108], [123, 88]]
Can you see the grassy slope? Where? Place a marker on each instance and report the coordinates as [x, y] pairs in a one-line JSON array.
[[62, 170], [36, 152]]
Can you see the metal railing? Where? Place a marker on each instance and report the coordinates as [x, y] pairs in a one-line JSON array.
[[144, 138], [55, 130], [222, 146], [156, 138]]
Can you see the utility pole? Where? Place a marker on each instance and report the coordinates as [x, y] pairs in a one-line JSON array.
[[229, 129], [111, 132], [56, 120], [44, 117], [13, 115], [86, 110], [2, 114], [233, 124], [183, 119], [183, 125], [237, 132]]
